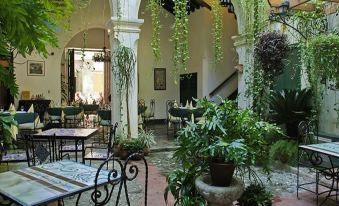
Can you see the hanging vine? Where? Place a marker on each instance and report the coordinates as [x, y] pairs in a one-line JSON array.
[[217, 30], [155, 8], [180, 38]]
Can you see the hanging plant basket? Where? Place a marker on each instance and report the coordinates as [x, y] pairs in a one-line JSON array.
[[270, 50], [324, 56]]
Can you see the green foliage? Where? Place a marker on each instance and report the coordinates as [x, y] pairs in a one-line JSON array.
[[290, 106], [146, 138], [180, 38], [234, 152], [284, 151], [8, 78], [181, 185], [255, 195], [131, 145], [270, 50], [217, 30], [235, 135], [7, 122], [123, 69], [324, 57], [155, 7]]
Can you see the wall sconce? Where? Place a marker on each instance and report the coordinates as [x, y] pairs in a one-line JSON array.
[[240, 68]]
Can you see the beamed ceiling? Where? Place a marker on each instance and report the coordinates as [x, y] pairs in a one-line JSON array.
[[193, 5]]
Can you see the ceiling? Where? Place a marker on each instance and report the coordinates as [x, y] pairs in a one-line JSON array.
[[193, 5]]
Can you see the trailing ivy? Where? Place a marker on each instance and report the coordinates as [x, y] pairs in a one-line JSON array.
[[180, 38], [155, 7], [217, 30]]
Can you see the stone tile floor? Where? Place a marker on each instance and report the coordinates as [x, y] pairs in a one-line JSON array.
[[282, 184]]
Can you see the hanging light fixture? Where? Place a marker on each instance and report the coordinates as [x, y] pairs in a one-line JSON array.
[[104, 55], [225, 3]]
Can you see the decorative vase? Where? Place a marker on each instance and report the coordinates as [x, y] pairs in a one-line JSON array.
[[221, 173]]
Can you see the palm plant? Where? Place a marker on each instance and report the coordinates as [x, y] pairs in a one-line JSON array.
[[290, 107]]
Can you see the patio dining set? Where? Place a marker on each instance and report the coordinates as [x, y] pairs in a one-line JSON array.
[[52, 176], [321, 157]]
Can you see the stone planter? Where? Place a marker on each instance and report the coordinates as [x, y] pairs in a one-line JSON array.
[[219, 196]]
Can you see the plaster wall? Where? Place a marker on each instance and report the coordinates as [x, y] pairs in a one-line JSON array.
[[329, 118], [201, 56], [94, 16]]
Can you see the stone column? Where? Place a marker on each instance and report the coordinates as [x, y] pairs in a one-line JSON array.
[[245, 60], [125, 31]]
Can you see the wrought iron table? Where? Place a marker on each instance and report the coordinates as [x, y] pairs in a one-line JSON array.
[[76, 134], [324, 158], [50, 182]]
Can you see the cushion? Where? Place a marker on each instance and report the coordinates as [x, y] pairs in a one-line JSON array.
[[73, 117], [105, 123], [54, 118], [102, 155], [70, 147], [14, 157]]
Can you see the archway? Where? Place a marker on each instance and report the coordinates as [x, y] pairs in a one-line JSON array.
[[90, 79]]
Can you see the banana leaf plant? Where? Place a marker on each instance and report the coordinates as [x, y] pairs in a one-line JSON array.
[[7, 142]]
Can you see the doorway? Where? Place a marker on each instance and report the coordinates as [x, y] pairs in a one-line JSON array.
[[87, 79], [188, 88]]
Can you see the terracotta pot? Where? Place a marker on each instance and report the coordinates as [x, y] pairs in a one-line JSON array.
[[123, 154], [147, 151], [116, 150], [221, 173]]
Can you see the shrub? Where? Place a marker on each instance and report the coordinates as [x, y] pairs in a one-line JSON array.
[[255, 195], [284, 151]]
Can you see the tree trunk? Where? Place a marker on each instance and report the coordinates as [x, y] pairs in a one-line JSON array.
[[127, 111]]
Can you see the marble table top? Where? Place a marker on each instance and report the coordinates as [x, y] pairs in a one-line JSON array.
[[331, 148], [49, 182], [81, 133]]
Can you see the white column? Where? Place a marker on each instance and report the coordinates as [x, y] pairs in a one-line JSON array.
[[125, 32], [245, 59]]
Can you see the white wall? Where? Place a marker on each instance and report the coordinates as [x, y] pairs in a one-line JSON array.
[[201, 56], [95, 16]]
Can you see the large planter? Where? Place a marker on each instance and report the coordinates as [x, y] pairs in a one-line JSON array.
[[292, 129], [219, 196], [221, 173]]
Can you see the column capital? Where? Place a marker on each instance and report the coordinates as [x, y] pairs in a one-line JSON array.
[[125, 25], [240, 41]]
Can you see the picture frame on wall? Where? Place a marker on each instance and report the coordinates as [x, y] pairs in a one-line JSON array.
[[159, 78], [35, 68]]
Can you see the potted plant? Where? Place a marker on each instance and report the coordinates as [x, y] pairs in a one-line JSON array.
[[224, 158], [227, 135], [116, 144], [146, 138], [130, 146]]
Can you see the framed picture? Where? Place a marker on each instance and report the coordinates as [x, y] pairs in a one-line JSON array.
[[35, 68], [159, 78]]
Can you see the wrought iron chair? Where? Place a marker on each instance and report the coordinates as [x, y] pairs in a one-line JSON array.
[[97, 152], [20, 154], [178, 118], [104, 120], [119, 174], [54, 116], [150, 113], [74, 116]]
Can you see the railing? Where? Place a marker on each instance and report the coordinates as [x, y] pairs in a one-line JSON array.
[[221, 85]]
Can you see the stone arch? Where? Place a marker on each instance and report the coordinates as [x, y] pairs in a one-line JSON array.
[[239, 11], [129, 8]]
